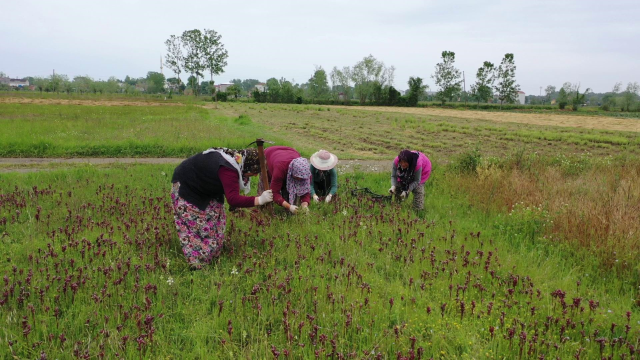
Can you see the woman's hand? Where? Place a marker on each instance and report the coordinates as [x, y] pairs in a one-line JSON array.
[[392, 190], [328, 198], [316, 198], [404, 195], [293, 209], [265, 197]]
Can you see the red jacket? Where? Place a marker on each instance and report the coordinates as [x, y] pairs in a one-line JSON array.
[[278, 160]]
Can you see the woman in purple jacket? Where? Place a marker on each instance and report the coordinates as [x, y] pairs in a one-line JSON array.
[[409, 172]]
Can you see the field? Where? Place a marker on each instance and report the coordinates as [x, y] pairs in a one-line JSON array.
[[527, 248]]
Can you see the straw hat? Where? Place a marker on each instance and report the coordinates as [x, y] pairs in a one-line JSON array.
[[323, 160]]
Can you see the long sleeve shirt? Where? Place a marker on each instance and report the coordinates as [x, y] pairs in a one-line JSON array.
[[330, 177], [420, 175], [206, 177], [230, 184], [278, 160]]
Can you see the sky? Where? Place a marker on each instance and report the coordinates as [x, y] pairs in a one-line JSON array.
[[594, 43]]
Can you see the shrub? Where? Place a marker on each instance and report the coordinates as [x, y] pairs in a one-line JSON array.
[[468, 162]]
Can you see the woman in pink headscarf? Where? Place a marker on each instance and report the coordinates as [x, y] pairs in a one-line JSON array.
[[289, 178], [409, 172]]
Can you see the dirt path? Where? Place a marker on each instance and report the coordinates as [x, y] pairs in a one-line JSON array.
[[14, 100], [24, 165], [577, 121]]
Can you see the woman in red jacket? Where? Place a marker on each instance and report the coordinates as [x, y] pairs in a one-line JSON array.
[[289, 178], [200, 185]]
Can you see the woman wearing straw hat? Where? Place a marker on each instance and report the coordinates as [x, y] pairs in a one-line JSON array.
[[324, 175]]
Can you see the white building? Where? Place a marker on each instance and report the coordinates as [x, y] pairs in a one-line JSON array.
[[521, 97], [262, 87], [15, 82], [222, 87]]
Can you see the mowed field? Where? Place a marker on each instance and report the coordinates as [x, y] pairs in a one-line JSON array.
[[527, 248]]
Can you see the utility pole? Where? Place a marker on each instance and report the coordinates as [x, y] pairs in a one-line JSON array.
[[464, 81]]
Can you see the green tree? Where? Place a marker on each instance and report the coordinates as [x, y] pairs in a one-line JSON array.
[[549, 91], [482, 90], [41, 83], [365, 72], [416, 89], [249, 84], [155, 81], [318, 85], [194, 59], [577, 98], [215, 55], [82, 83], [273, 90], [563, 98], [287, 91], [506, 86], [175, 57], [234, 90], [56, 81], [343, 79], [630, 96], [447, 77]]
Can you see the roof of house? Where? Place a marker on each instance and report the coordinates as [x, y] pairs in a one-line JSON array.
[[520, 92]]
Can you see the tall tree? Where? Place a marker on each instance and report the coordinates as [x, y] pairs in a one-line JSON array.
[[234, 90], [365, 72], [506, 88], [215, 55], [194, 59], [630, 95], [578, 99], [175, 57], [318, 85], [248, 84], [482, 90], [155, 81], [334, 83], [549, 91], [447, 77], [273, 90], [416, 89], [344, 80]]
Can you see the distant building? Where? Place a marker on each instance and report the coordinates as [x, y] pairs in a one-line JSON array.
[[262, 87], [222, 87], [521, 97], [19, 83]]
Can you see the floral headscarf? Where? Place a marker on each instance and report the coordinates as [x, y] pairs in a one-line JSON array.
[[244, 160], [299, 168]]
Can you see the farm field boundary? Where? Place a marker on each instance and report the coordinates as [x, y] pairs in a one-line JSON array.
[[584, 122]]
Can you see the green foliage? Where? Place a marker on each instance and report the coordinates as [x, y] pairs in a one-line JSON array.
[[481, 91], [630, 96], [416, 89], [366, 73], [447, 77], [468, 162], [318, 87], [506, 87], [155, 81], [563, 98], [243, 120]]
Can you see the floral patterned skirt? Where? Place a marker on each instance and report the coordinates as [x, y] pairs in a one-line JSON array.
[[201, 233]]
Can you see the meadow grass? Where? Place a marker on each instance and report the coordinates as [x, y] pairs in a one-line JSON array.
[[92, 268], [118, 131]]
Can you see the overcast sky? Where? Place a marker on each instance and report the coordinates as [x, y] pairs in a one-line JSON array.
[[594, 42]]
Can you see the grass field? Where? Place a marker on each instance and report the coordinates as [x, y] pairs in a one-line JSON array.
[[55, 130], [527, 248]]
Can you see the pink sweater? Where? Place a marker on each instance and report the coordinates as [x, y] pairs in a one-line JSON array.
[[423, 166]]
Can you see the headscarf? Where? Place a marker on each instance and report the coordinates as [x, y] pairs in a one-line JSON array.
[[244, 160], [405, 176], [300, 168]]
